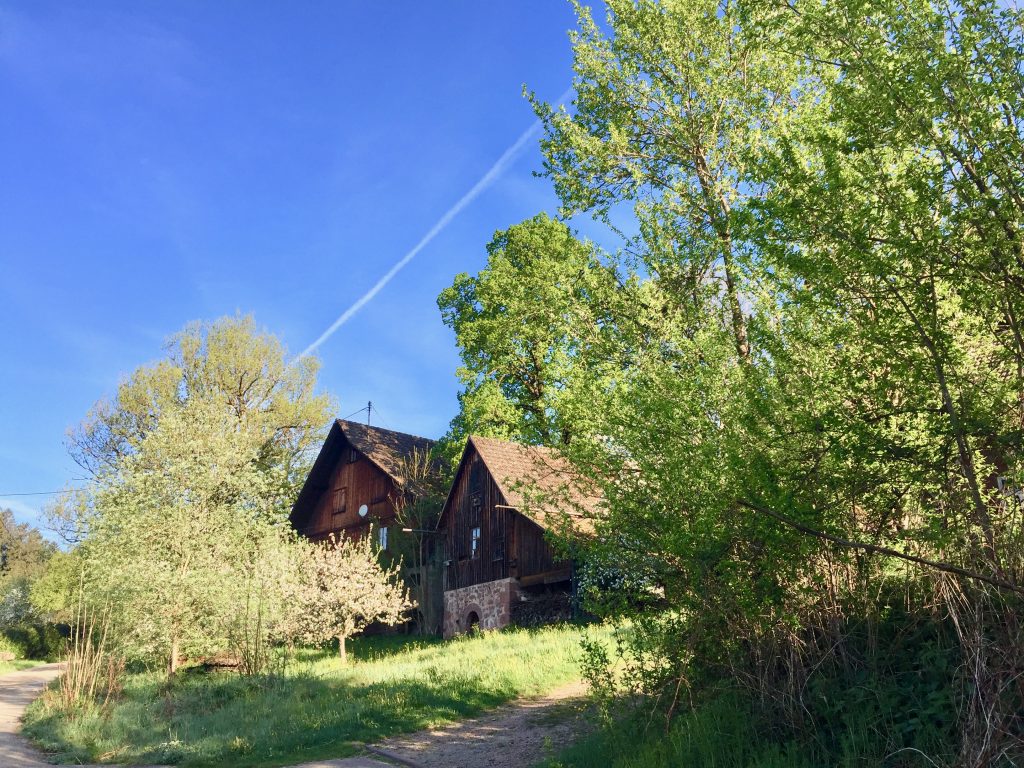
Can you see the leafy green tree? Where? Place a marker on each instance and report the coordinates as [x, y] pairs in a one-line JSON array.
[[181, 532], [897, 198], [24, 559], [228, 361], [524, 325], [672, 102], [55, 591], [24, 552], [176, 532], [815, 406]]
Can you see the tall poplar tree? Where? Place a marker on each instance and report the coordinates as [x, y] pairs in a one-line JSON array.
[[816, 407]]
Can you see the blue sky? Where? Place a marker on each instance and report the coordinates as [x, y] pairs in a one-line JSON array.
[[162, 162]]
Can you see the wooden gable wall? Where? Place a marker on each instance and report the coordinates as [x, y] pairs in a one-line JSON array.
[[351, 484], [510, 544]]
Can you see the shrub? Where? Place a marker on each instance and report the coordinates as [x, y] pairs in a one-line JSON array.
[[38, 640]]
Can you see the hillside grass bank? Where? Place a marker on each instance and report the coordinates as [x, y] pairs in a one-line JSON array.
[[315, 708]]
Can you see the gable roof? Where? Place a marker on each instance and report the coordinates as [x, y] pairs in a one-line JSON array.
[[539, 483], [385, 449]]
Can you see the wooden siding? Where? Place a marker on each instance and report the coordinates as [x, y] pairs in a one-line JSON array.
[[510, 545], [359, 482], [532, 551]]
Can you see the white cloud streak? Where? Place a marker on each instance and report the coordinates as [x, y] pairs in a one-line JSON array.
[[23, 513], [492, 175]]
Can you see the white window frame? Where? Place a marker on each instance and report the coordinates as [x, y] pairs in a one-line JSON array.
[[474, 543]]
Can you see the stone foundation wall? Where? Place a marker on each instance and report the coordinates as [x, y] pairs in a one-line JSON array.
[[491, 602]]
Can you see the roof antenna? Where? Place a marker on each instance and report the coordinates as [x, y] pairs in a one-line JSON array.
[[369, 407]]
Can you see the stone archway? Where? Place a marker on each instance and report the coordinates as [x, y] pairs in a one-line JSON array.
[[472, 618], [490, 601]]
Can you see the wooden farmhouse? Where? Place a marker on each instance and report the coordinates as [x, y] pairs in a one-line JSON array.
[[355, 481], [504, 497]]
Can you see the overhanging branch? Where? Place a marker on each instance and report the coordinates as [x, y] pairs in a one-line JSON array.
[[878, 549]]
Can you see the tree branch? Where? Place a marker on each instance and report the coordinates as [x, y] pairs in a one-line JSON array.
[[878, 549]]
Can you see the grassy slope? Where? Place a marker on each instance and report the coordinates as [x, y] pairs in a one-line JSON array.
[[720, 734], [19, 664], [317, 708], [723, 734]]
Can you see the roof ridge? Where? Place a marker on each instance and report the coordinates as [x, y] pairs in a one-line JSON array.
[[515, 443], [382, 429]]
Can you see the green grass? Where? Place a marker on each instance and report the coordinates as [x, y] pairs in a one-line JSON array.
[[317, 708], [727, 730], [18, 664], [895, 702], [725, 733], [719, 734]]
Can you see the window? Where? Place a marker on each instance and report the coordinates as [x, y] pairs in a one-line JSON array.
[[353, 455], [476, 504], [476, 475], [382, 537], [340, 499], [474, 543]]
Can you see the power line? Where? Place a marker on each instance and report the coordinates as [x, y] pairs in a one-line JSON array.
[[346, 418], [41, 493], [379, 419]]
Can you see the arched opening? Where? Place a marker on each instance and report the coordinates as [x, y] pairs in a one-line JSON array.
[[472, 622]]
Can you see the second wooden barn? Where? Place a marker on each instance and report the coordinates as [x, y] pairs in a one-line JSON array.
[[504, 497]]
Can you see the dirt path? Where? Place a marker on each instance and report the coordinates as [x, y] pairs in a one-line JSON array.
[[17, 690], [516, 735]]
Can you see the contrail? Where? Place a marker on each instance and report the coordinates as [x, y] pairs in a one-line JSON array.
[[485, 181]]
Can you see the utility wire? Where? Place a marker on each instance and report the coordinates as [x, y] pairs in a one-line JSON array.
[[41, 493], [346, 418]]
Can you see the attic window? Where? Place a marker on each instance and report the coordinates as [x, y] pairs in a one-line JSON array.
[[340, 499], [474, 543], [353, 455], [476, 475]]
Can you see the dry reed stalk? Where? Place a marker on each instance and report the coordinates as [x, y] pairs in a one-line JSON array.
[[91, 670]]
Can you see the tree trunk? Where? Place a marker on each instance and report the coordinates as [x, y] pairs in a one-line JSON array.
[[718, 216], [342, 653], [172, 665]]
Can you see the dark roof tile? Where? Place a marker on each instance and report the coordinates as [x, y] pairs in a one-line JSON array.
[[384, 447], [540, 484]]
